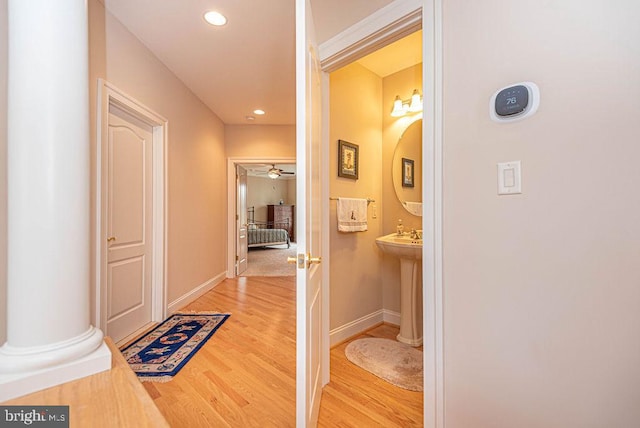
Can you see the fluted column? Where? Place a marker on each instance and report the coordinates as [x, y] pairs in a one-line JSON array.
[[49, 336]]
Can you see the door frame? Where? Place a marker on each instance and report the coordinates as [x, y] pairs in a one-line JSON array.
[[387, 25], [108, 95], [231, 202]]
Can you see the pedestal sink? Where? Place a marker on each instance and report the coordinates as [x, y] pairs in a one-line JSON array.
[[409, 251]]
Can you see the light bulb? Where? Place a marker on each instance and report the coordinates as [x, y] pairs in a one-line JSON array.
[[416, 102], [215, 18], [398, 108]]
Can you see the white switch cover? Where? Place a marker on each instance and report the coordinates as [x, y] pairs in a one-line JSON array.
[[509, 179]]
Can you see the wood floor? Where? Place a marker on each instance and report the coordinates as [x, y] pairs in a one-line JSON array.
[[244, 376], [357, 398]]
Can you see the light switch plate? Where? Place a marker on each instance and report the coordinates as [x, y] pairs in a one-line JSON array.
[[509, 178]]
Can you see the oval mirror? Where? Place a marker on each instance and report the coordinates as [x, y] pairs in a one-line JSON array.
[[406, 168]]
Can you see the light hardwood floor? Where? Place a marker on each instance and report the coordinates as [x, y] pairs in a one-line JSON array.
[[244, 376], [113, 398]]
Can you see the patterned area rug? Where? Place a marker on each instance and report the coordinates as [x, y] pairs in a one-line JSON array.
[[160, 354], [397, 363]]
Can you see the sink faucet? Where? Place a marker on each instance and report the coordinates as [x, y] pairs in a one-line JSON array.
[[415, 234]]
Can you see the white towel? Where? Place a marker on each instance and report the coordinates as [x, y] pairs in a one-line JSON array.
[[352, 215], [414, 208]]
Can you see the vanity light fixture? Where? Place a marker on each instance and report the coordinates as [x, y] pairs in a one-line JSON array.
[[412, 105], [215, 18]]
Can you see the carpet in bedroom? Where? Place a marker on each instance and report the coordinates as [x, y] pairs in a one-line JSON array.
[[270, 261]]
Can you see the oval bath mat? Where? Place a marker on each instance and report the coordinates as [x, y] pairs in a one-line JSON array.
[[395, 362]]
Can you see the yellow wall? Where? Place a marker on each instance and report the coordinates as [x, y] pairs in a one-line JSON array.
[[197, 215], [355, 116], [541, 290], [359, 113], [401, 83]]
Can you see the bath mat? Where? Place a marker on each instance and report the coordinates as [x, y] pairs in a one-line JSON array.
[[161, 353], [397, 363]]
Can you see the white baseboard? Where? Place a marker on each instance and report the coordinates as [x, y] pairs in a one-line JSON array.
[[192, 295], [353, 328], [391, 317]]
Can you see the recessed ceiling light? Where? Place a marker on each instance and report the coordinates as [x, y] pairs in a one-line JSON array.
[[258, 112], [215, 18], [250, 118]]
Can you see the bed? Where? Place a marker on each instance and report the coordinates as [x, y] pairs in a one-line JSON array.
[[267, 233]]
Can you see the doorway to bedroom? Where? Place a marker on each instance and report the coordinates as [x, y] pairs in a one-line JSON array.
[[265, 213]]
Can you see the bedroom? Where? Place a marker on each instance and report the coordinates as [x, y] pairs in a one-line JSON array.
[[270, 219]]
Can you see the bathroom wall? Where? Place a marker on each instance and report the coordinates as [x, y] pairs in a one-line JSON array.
[[401, 83], [356, 116], [263, 191], [541, 289], [196, 162], [3, 171]]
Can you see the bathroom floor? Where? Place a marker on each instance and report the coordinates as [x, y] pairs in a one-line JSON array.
[[357, 398]]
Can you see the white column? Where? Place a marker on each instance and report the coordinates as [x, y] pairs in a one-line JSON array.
[[49, 337]]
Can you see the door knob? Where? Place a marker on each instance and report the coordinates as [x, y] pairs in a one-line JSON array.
[[314, 260], [299, 261], [111, 238], [304, 261]]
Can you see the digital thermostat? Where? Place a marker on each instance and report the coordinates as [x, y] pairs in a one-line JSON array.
[[514, 102]]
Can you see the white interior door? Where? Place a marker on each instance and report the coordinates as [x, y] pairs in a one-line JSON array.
[[129, 224], [308, 221], [241, 220]]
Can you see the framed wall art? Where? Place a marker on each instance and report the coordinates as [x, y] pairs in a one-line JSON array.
[[407, 172], [348, 163]]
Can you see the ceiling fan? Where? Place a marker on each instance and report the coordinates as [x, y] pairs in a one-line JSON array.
[[277, 172]]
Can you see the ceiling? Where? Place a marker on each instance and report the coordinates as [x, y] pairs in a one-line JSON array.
[[247, 64], [261, 170]]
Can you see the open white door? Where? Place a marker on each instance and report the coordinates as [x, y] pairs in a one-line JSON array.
[[308, 221], [241, 220]]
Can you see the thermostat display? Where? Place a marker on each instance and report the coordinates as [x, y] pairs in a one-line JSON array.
[[514, 102]]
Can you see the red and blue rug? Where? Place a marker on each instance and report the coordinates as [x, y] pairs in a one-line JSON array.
[[161, 353]]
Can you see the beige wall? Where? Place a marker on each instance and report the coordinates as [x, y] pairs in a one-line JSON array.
[[401, 83], [197, 208], [3, 171], [542, 289], [266, 191], [355, 116], [291, 191], [260, 141], [264, 142]]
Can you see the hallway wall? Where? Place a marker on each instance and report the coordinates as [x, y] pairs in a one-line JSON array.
[[260, 141], [3, 171], [196, 179], [541, 289]]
